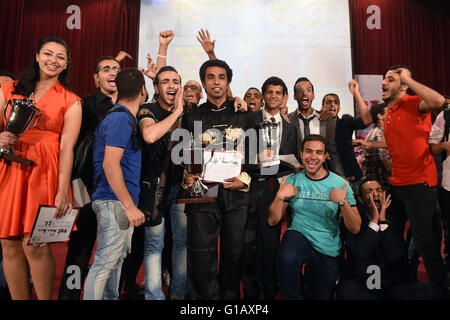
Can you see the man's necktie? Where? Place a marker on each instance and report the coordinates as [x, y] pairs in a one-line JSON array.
[[306, 131]]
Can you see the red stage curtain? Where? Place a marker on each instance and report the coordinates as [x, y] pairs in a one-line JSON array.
[[413, 33], [107, 26]]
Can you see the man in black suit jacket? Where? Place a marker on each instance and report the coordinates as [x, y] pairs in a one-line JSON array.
[[259, 266], [306, 120], [376, 266]]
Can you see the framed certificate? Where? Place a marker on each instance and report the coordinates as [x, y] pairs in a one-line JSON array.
[[48, 229]]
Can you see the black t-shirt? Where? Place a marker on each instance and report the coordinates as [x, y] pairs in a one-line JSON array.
[[154, 155]]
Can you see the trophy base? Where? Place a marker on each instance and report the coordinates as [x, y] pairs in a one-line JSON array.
[[184, 196], [9, 155]]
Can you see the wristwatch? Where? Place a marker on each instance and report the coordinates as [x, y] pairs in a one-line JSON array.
[[342, 202]]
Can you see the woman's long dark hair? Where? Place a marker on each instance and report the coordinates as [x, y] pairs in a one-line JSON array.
[[28, 78]]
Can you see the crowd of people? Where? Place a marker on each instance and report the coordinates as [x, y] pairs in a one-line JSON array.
[[346, 221]]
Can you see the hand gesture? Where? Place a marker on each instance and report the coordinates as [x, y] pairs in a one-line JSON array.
[[165, 37], [286, 190], [178, 107], [353, 86], [152, 68], [240, 105], [233, 184], [7, 139], [205, 40], [122, 55], [385, 203], [338, 194]]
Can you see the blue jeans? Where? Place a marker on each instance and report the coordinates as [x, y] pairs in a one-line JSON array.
[[154, 244], [113, 241], [178, 223], [320, 275]]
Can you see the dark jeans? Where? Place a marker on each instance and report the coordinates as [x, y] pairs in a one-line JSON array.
[[203, 229], [321, 271], [417, 203], [260, 254], [79, 252]]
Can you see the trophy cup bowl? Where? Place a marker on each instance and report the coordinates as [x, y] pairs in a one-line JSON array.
[[269, 136], [23, 115]]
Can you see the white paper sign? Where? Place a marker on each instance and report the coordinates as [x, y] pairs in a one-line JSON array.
[[223, 165], [49, 229]]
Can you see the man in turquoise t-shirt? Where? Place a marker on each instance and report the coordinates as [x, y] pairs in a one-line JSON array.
[[318, 199]]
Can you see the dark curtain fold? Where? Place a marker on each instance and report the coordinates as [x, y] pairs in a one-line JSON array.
[[414, 33], [107, 26]]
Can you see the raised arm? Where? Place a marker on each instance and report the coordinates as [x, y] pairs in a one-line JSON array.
[[165, 37], [353, 86], [432, 100], [205, 40], [69, 136]]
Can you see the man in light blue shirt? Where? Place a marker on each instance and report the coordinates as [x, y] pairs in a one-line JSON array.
[[318, 200]]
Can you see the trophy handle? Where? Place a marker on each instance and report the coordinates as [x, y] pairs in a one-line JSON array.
[[9, 103], [36, 120]]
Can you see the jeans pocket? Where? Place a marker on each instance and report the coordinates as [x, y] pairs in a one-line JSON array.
[[121, 217], [101, 209]]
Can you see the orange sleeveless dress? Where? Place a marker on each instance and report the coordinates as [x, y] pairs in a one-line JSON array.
[[24, 188]]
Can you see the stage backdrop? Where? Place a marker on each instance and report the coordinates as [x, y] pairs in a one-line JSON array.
[[258, 39], [91, 29]]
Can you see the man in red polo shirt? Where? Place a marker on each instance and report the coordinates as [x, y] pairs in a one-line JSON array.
[[407, 128]]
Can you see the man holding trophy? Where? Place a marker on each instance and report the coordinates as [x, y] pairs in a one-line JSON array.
[[37, 169], [226, 216]]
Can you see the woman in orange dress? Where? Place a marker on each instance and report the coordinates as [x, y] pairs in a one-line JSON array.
[[50, 145]]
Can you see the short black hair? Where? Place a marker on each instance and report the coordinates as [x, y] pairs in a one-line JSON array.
[[215, 63], [252, 88], [413, 75], [330, 94], [314, 137], [7, 74], [103, 59], [301, 79], [376, 109], [275, 81], [129, 83], [164, 69]]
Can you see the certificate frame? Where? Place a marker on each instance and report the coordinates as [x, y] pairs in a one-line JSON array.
[[45, 221]]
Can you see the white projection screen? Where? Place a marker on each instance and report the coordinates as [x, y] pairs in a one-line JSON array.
[[258, 39]]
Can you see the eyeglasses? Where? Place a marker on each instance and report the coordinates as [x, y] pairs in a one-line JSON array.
[[109, 68], [301, 90], [192, 87]]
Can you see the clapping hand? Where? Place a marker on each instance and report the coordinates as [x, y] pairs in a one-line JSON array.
[[152, 68]]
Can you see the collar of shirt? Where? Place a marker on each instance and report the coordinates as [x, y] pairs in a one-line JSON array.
[[100, 97], [314, 113], [214, 107], [267, 116]]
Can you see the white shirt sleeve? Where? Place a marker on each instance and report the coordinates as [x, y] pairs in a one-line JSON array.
[[437, 131]]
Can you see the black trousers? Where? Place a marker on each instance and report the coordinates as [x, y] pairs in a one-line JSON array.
[[444, 203], [79, 252], [204, 226], [262, 242], [417, 203]]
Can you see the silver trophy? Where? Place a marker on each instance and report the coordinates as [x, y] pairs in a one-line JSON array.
[[195, 165], [269, 132], [23, 115]]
